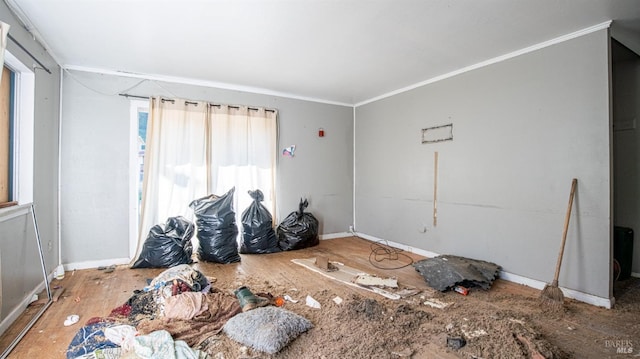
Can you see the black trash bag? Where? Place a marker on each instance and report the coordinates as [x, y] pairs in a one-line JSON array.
[[299, 230], [216, 228], [257, 227], [167, 245]]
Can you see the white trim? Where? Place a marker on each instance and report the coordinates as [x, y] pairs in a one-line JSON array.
[[263, 91], [570, 293], [204, 83], [21, 307], [24, 129], [634, 274], [404, 247], [59, 194], [13, 212], [353, 185], [95, 264], [134, 169], [334, 235], [492, 61]]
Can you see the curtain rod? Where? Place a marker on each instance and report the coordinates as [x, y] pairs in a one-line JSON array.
[[29, 53], [191, 103]]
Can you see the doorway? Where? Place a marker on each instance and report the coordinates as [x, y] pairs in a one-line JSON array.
[[625, 71]]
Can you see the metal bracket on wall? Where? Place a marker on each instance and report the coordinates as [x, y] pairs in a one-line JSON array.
[[29, 53]]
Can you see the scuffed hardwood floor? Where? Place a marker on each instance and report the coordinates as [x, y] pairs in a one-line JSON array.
[[93, 293]]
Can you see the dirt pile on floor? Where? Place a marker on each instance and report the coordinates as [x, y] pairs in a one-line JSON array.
[[364, 326]]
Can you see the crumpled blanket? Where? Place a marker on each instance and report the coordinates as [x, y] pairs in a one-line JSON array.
[[183, 273], [88, 339], [160, 345], [122, 335], [106, 353], [185, 305], [220, 308], [179, 279]]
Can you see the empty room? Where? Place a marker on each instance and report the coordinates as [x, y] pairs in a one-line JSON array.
[[319, 179]]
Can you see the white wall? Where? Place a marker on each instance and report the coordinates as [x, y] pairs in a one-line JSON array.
[[95, 169], [20, 261], [45, 150], [523, 128]]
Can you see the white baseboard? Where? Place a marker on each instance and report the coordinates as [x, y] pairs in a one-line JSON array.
[[20, 308], [335, 235], [570, 293], [96, 264], [404, 247], [634, 274]]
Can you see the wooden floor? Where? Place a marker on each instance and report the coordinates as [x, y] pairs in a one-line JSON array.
[[94, 293]]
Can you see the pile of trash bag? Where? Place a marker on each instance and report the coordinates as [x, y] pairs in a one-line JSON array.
[[258, 236], [216, 228], [298, 230], [167, 245]]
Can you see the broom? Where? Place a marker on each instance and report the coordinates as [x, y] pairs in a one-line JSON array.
[[551, 295]]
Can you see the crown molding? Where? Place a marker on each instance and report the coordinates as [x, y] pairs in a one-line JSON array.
[[204, 83], [542, 45]]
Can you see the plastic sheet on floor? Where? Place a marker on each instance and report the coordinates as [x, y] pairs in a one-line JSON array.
[[446, 271]]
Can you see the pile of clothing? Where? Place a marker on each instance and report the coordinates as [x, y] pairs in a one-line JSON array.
[[176, 312]]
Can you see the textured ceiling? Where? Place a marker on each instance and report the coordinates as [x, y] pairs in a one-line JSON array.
[[342, 51]]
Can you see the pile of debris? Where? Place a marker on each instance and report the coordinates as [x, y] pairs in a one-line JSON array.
[[446, 272]]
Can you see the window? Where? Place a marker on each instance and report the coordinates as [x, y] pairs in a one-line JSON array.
[[143, 115], [139, 111], [16, 132]]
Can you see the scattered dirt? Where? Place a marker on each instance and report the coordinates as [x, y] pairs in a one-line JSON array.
[[506, 321], [494, 326]]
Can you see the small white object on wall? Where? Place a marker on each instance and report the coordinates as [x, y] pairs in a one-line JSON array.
[[289, 151]]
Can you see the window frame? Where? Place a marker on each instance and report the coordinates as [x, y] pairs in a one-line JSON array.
[[135, 107], [9, 134], [22, 150]]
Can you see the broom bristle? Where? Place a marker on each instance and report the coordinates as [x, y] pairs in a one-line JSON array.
[[552, 295]]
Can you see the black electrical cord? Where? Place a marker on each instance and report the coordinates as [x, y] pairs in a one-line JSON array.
[[380, 253]]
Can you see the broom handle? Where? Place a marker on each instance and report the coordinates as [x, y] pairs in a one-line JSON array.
[[574, 182]]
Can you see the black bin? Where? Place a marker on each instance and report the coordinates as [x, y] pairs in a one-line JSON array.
[[623, 250]]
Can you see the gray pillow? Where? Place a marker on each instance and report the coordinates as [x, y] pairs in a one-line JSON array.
[[268, 329]]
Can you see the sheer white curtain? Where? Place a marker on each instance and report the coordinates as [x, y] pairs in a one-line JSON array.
[[175, 170], [195, 149], [4, 30], [243, 153]]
